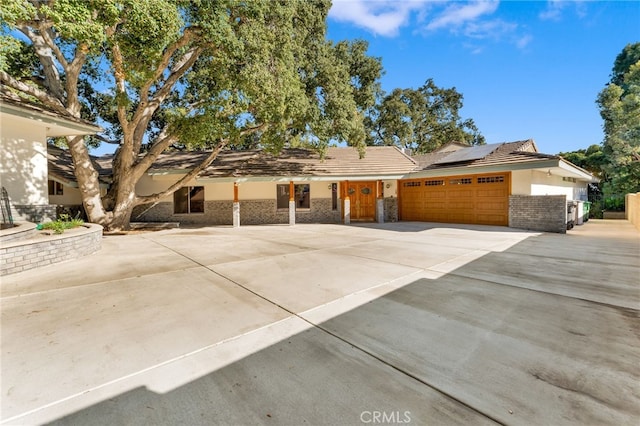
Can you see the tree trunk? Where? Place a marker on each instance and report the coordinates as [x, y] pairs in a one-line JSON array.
[[88, 183], [125, 201]]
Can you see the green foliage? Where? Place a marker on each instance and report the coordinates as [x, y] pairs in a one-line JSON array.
[[159, 74], [61, 224], [591, 159], [421, 119], [619, 104]]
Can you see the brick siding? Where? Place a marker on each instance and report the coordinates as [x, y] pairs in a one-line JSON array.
[[546, 213], [252, 212]]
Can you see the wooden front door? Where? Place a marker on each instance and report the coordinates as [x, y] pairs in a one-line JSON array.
[[363, 200]]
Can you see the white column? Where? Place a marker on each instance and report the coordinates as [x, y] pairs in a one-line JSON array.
[[380, 210], [347, 211], [292, 212], [236, 214]]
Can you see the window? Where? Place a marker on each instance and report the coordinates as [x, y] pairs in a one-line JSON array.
[[410, 184], [436, 182], [461, 181], [334, 196], [55, 188], [491, 179], [302, 196], [189, 199]]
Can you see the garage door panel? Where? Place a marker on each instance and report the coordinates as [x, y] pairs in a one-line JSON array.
[[474, 199]]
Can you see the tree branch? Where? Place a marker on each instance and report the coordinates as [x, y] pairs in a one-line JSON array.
[[120, 78], [186, 178], [145, 110], [45, 54], [48, 100]]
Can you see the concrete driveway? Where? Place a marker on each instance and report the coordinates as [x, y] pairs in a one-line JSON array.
[[404, 323]]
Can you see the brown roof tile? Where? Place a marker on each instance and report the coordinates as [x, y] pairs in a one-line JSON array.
[[293, 162]]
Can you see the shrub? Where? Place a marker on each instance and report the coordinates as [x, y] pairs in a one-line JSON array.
[[61, 224]]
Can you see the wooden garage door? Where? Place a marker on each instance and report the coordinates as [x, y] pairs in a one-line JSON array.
[[476, 199]]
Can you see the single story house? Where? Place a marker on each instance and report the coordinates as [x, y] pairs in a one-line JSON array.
[[505, 184], [24, 165]]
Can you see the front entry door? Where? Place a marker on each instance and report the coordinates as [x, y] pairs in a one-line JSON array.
[[363, 200]]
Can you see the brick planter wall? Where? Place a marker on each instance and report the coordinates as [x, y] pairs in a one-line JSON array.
[[546, 213], [22, 255]]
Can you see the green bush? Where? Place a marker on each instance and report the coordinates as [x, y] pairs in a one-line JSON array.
[[61, 224]]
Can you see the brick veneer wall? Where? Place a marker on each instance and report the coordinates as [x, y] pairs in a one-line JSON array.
[[546, 213], [18, 256], [252, 212], [32, 213]]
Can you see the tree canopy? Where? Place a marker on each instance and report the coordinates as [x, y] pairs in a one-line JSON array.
[[619, 104], [421, 119], [158, 74]]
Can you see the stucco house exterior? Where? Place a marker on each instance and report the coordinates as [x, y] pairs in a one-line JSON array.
[[504, 184], [24, 165]]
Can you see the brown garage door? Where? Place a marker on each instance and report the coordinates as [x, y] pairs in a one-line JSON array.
[[476, 199]]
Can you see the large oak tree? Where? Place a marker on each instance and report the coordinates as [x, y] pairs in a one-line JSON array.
[[421, 119], [197, 74]]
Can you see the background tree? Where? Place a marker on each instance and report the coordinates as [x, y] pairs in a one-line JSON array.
[[619, 104], [160, 74], [591, 159], [421, 119]]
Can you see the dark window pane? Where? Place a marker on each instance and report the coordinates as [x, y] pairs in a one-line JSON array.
[[181, 200], [196, 197], [282, 196], [302, 197], [334, 196]]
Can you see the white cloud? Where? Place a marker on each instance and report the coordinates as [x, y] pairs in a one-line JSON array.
[[470, 19], [494, 29], [459, 14], [553, 12], [555, 9], [523, 41], [383, 17]]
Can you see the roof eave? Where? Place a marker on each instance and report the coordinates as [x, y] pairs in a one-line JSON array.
[[56, 125]]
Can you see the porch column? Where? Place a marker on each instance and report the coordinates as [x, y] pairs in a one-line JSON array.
[[292, 204], [347, 204], [236, 206], [379, 202]]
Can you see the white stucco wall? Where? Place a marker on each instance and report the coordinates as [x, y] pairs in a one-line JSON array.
[[521, 182], [70, 196], [534, 182], [23, 163], [392, 190]]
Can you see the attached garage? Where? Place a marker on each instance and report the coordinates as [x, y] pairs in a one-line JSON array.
[[481, 199]]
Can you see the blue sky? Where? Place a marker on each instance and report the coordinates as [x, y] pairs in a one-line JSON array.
[[526, 69]]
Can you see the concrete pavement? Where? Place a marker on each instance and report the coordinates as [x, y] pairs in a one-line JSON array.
[[326, 324]]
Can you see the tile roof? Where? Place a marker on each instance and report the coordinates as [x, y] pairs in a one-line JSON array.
[[505, 153], [60, 166], [338, 161]]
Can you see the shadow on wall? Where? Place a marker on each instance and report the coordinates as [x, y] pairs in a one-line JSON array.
[[24, 175]]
